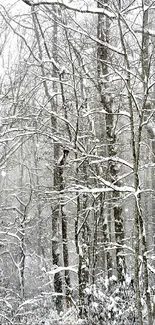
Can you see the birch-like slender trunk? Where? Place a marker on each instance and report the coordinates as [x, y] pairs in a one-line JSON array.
[[136, 138]]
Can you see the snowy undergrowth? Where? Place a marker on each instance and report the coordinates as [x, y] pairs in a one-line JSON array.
[[110, 302], [106, 302]]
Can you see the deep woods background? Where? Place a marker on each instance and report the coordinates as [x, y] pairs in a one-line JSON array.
[[77, 159]]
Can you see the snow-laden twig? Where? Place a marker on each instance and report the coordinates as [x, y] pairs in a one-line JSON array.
[[58, 269], [107, 159]]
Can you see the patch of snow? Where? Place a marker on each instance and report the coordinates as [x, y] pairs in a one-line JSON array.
[[3, 173]]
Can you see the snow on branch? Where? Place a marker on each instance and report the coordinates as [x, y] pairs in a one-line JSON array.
[[57, 269], [107, 159], [108, 188], [116, 187], [10, 234], [64, 4]]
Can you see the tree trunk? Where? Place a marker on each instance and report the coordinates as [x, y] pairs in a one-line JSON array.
[[82, 234], [22, 218], [136, 138], [61, 164], [56, 149], [102, 69]]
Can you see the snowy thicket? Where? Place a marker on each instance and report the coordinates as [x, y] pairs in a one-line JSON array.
[[77, 157]]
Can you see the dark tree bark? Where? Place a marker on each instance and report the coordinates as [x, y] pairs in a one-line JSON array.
[[56, 149], [60, 175], [102, 71]]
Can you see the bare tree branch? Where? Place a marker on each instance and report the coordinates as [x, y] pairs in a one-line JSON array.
[[66, 6]]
